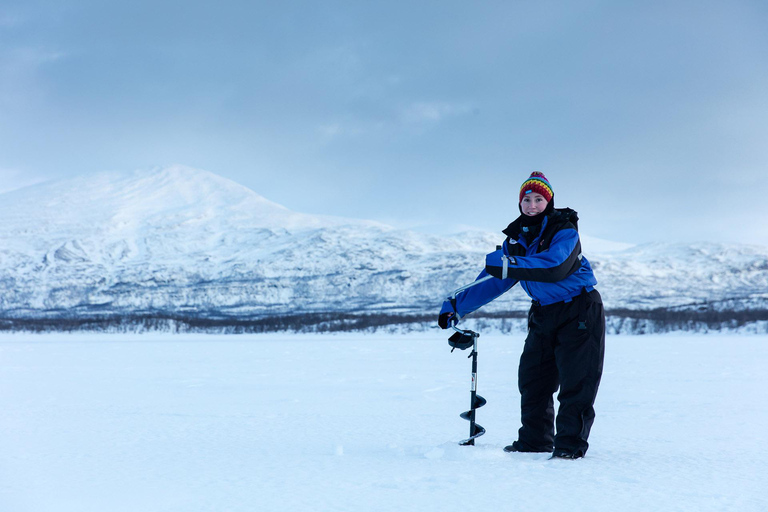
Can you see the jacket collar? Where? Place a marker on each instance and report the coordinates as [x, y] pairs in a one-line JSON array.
[[515, 228], [558, 216]]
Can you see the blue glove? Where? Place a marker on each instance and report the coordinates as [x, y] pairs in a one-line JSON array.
[[447, 316]]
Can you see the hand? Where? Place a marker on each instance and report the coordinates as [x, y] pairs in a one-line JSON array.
[[446, 320], [447, 315]]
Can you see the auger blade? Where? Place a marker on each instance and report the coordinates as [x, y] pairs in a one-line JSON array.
[[478, 403], [476, 432]]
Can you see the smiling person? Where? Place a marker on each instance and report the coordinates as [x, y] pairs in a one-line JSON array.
[[566, 323]]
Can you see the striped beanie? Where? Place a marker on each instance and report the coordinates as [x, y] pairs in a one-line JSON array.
[[537, 183]]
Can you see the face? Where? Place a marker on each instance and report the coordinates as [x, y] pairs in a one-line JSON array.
[[533, 204]]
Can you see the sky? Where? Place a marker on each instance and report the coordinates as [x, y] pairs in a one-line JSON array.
[[649, 118]]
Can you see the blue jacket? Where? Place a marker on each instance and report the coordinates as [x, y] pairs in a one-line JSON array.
[[550, 268]]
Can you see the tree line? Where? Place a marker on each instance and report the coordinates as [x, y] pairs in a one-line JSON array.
[[620, 320]]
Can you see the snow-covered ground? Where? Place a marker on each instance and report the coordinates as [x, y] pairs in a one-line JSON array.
[[145, 423]]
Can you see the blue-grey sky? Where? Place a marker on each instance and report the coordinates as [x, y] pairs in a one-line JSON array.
[[650, 118]]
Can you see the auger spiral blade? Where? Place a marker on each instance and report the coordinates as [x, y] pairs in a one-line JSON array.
[[476, 432], [478, 403]]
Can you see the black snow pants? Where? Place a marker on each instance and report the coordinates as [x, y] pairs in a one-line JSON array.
[[564, 348]]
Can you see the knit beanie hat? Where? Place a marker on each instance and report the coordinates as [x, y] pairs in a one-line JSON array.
[[538, 183]]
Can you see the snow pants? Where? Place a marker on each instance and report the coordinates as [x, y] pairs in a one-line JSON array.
[[564, 348]]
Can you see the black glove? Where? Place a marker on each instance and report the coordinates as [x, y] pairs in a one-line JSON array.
[[445, 320]]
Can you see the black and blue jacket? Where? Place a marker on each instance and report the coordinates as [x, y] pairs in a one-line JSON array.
[[550, 267]]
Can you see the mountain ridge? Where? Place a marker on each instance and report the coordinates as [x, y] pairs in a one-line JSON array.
[[180, 240]]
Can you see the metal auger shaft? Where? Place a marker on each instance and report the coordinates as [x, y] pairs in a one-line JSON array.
[[476, 401]]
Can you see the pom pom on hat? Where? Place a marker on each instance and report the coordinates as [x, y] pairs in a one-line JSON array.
[[538, 183]]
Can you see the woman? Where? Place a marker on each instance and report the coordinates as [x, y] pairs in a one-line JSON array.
[[566, 323]]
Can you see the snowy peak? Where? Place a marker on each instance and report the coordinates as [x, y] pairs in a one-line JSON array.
[[163, 215], [143, 196], [178, 239]]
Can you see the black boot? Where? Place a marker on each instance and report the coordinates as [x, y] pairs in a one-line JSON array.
[[565, 454], [517, 446]]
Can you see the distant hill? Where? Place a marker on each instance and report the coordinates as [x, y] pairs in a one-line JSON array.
[[180, 243]]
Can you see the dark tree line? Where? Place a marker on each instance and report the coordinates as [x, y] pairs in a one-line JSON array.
[[308, 322], [627, 320]]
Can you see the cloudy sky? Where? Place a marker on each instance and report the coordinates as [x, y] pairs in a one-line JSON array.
[[650, 118]]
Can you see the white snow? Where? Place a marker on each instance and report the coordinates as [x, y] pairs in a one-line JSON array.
[[178, 239], [93, 422]]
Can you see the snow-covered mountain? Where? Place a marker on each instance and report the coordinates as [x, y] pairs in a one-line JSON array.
[[182, 240]]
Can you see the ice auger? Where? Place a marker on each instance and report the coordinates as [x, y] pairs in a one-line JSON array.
[[463, 339]]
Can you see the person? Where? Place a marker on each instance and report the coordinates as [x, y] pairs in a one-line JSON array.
[[566, 322]]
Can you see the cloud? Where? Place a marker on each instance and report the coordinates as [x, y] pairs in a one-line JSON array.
[[433, 112], [10, 20], [19, 65], [20, 69], [25, 58], [330, 130], [349, 127], [421, 115]]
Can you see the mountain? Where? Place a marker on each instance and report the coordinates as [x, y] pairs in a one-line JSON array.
[[178, 240]]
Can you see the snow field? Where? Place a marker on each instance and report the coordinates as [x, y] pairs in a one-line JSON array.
[[94, 422]]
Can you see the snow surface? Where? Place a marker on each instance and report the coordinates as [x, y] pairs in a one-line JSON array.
[[94, 422]]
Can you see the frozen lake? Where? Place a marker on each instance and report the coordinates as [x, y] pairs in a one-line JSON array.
[[367, 423]]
